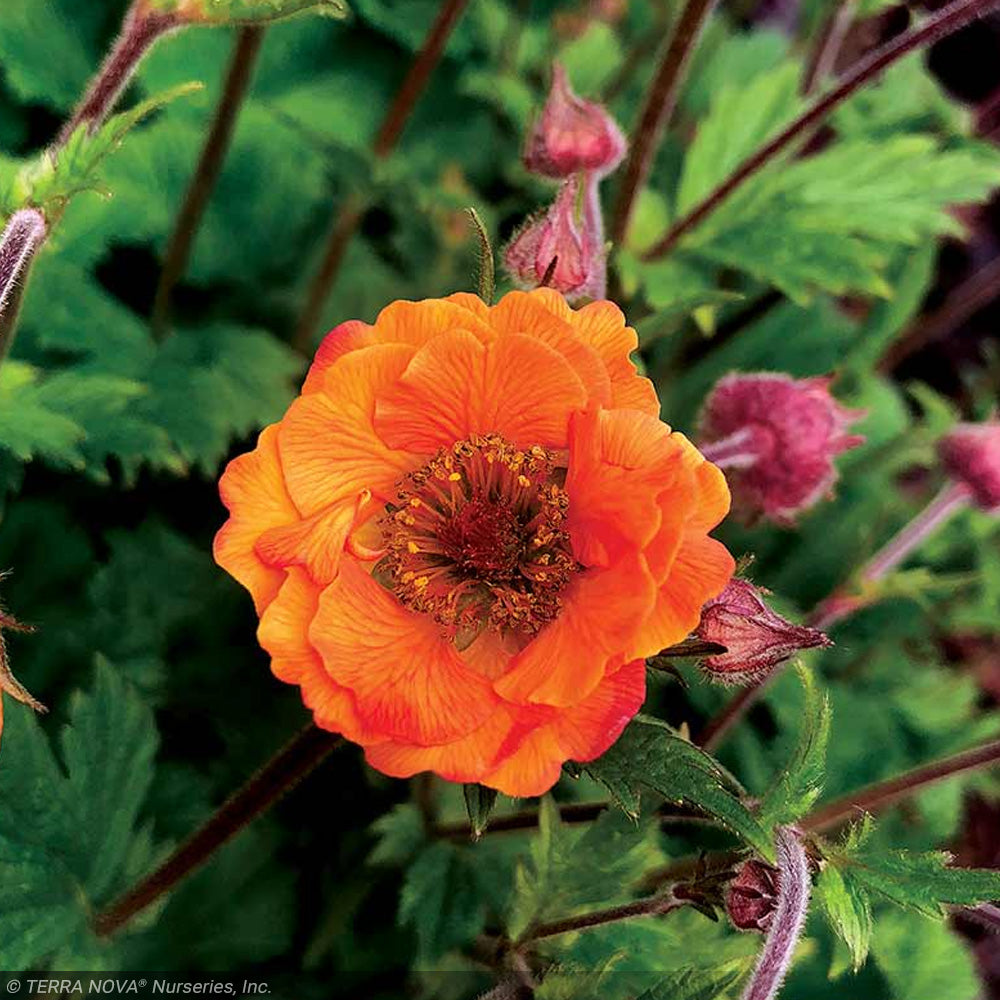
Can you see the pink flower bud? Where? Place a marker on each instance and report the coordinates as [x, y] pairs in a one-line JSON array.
[[776, 436], [971, 454], [564, 248], [572, 135], [752, 896], [756, 638]]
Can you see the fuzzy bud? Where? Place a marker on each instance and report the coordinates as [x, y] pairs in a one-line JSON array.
[[755, 637], [971, 454], [752, 895], [564, 248], [572, 135], [777, 437]]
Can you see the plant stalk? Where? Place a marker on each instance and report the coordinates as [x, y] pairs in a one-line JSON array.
[[661, 102], [937, 26], [350, 212], [213, 155], [824, 58], [141, 28], [302, 755], [884, 793], [23, 235]]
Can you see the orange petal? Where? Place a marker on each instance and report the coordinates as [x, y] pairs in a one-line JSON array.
[[713, 496], [580, 733], [329, 448], [601, 326], [456, 386], [339, 341], [568, 659], [490, 654], [315, 543], [416, 323], [473, 303], [409, 684], [699, 572], [544, 315], [622, 463], [467, 759], [253, 490], [283, 632]]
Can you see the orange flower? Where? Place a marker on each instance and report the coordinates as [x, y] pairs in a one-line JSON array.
[[468, 532]]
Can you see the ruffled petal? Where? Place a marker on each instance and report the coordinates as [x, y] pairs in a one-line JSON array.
[[456, 386], [601, 326], [339, 341], [329, 447], [283, 632], [253, 490], [468, 759], [417, 323], [315, 543], [409, 684], [700, 571], [580, 733], [601, 610]]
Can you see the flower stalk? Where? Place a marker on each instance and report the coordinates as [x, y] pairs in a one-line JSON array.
[[351, 210], [661, 102], [24, 234], [787, 920], [213, 155], [297, 759], [939, 25]]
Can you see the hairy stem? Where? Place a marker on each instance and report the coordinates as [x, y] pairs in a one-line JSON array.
[[787, 920], [937, 26], [885, 793], [213, 154], [660, 104], [305, 752], [141, 28], [840, 605], [23, 235], [349, 214]]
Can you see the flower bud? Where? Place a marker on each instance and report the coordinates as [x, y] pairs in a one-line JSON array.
[[776, 436], [755, 637], [971, 454], [572, 135], [564, 248], [752, 896]]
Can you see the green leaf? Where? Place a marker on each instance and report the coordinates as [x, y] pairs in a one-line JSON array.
[[440, 899], [253, 11], [696, 984], [922, 959], [569, 868], [848, 908], [800, 783], [650, 754], [70, 838], [479, 803], [401, 833], [56, 177], [742, 118]]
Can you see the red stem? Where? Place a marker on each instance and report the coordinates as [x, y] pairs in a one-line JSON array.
[[140, 29], [213, 155], [939, 25], [885, 793], [284, 771], [824, 59], [652, 906], [661, 102], [350, 212]]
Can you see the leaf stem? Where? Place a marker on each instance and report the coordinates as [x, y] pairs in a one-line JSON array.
[[937, 26], [824, 57], [303, 754], [661, 903], [213, 154], [349, 214], [884, 793], [141, 28], [23, 235], [660, 104]]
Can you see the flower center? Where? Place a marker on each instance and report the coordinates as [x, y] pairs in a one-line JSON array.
[[476, 539]]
